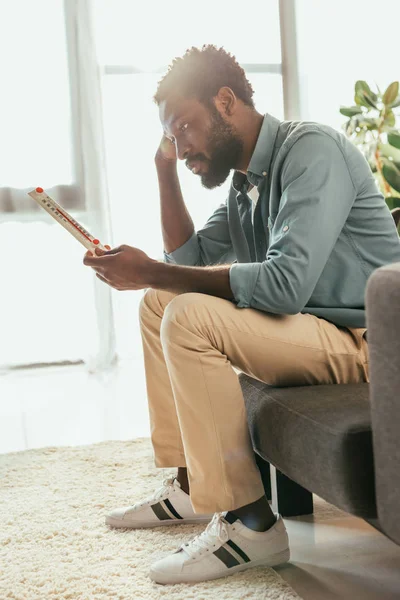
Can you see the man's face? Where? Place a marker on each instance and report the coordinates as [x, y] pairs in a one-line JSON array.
[[209, 144]]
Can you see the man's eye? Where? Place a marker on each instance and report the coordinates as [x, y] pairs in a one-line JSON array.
[[184, 127]]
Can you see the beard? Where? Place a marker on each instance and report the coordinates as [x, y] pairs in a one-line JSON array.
[[225, 147]]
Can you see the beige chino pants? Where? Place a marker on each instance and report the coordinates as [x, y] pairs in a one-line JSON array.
[[197, 412]]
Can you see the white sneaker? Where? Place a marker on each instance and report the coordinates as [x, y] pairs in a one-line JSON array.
[[225, 547], [169, 505]]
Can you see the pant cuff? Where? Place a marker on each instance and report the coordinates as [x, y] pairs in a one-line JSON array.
[[212, 505], [170, 461]]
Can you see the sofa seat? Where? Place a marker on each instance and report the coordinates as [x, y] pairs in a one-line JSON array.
[[319, 436]]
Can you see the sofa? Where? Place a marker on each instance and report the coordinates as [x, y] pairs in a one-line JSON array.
[[341, 442]]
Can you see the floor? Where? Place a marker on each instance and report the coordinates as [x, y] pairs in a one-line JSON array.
[[332, 558]]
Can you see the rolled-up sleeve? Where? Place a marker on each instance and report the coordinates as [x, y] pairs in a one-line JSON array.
[[187, 254], [210, 245], [317, 196]]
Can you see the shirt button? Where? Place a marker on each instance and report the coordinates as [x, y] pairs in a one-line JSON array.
[[264, 173], [285, 228]]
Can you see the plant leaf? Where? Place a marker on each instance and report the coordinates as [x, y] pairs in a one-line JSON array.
[[365, 100], [391, 93], [350, 111], [392, 202], [386, 161], [392, 176], [396, 103], [396, 216], [390, 119], [368, 123], [364, 96], [363, 85], [390, 151], [394, 139]]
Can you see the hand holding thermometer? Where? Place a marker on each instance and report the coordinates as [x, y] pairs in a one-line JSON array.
[[62, 217]]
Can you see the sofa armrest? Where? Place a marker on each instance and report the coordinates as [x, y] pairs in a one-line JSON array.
[[383, 323]]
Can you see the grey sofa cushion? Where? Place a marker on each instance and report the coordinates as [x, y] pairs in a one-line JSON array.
[[319, 436]]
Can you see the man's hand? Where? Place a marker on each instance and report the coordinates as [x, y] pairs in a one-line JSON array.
[[127, 268], [166, 152], [123, 268]]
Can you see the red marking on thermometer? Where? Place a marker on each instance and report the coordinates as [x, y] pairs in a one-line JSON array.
[[65, 219]]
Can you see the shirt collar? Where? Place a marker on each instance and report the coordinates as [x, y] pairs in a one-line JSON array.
[[261, 158]]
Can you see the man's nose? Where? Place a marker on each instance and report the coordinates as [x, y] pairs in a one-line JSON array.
[[182, 150]]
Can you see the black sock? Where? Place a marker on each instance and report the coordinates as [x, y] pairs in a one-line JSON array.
[[250, 520]]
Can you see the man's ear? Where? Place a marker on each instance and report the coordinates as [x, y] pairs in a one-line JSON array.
[[226, 101]]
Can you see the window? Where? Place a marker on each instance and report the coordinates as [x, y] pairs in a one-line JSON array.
[[35, 117], [48, 310]]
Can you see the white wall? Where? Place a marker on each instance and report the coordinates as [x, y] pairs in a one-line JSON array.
[[339, 42]]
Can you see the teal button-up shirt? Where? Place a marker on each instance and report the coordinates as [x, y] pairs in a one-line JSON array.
[[320, 226]]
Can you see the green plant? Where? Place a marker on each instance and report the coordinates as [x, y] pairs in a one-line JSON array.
[[372, 126]]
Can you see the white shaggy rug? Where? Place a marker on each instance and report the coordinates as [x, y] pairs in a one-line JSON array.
[[54, 544]]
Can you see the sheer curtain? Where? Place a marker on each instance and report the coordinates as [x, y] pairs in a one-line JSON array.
[[134, 48], [53, 309]]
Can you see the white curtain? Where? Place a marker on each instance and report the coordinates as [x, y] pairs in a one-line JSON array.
[[53, 309], [88, 130]]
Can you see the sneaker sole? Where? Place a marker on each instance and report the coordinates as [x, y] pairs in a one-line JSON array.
[[120, 524], [272, 561]]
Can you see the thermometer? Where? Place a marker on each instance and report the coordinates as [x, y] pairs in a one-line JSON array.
[[65, 219]]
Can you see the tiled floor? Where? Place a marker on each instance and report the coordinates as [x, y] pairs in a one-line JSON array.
[[341, 558], [332, 558]]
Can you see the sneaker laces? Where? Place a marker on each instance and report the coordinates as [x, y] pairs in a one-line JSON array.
[[216, 533], [160, 493]]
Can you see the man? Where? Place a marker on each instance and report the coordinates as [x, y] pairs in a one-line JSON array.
[[272, 286]]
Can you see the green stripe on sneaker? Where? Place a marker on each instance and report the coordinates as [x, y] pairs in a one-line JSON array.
[[226, 557], [236, 548], [171, 508], [160, 512]]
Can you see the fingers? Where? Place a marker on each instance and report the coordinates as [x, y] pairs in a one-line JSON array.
[[117, 287], [102, 279], [90, 259], [97, 260], [109, 252]]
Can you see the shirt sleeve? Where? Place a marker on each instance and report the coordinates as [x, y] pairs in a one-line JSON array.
[[316, 199], [211, 245]]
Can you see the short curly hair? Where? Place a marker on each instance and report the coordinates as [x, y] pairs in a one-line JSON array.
[[200, 73]]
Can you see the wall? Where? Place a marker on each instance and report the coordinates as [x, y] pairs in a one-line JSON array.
[[338, 43]]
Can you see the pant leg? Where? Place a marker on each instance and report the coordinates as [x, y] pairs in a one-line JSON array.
[[203, 337], [164, 425]]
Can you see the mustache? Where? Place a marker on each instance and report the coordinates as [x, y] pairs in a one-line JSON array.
[[194, 158]]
